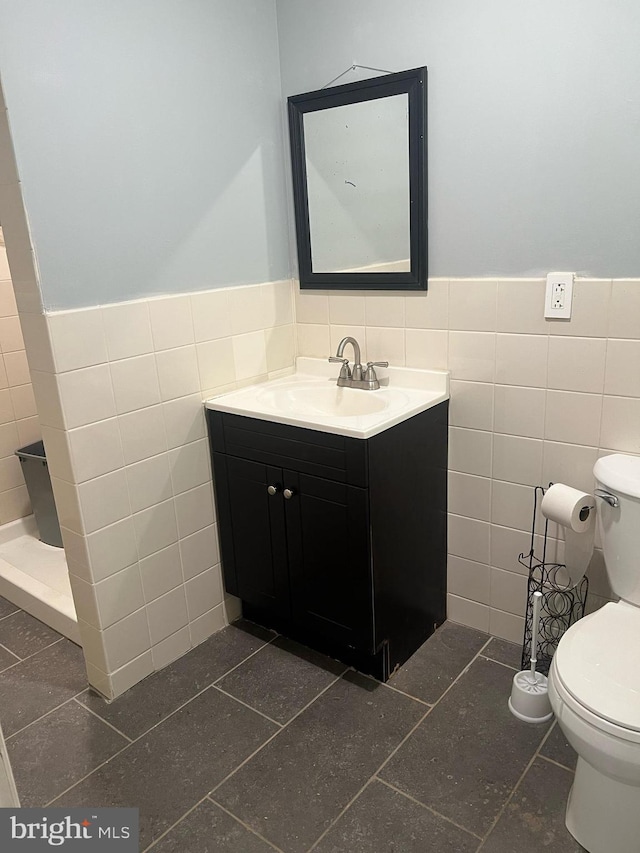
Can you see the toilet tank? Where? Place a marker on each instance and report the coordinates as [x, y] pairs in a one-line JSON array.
[[620, 526]]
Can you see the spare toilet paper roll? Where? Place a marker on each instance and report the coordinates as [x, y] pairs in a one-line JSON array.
[[575, 511]]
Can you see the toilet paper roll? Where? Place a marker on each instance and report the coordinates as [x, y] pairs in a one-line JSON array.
[[575, 512], [569, 507]]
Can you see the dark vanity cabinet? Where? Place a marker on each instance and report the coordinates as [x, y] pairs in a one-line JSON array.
[[334, 541]]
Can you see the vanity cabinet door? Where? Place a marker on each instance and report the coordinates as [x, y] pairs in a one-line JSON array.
[[252, 532], [329, 559]]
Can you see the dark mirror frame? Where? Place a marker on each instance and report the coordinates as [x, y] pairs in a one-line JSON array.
[[414, 84]]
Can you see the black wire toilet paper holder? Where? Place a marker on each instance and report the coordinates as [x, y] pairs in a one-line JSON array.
[[562, 604]]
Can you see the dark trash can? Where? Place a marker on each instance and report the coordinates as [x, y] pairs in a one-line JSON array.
[[36, 475]]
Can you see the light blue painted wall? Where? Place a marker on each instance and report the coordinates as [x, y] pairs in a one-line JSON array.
[[148, 136], [534, 109]]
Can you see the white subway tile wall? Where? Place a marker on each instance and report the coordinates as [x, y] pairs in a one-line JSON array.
[[120, 391], [19, 424], [532, 401]]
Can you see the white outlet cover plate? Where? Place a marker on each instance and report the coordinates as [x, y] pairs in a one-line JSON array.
[[559, 288]]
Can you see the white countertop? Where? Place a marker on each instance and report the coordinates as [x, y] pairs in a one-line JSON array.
[[310, 398]]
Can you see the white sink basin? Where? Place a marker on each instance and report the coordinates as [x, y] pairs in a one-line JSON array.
[[315, 398], [311, 398]]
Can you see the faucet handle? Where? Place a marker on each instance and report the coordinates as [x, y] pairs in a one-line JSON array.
[[370, 373], [345, 370]]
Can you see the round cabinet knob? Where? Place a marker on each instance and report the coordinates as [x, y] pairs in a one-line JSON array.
[[289, 493], [272, 490]]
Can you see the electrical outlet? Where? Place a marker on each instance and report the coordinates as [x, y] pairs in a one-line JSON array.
[[557, 303], [557, 296]]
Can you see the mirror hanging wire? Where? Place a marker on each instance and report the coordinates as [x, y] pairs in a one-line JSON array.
[[353, 68]]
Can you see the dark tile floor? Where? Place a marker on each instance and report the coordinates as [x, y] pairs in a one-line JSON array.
[[251, 743]]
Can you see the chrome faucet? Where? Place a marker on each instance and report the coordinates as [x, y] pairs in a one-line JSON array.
[[353, 378], [356, 372]]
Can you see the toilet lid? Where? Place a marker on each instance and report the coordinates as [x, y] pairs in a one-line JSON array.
[[597, 661]]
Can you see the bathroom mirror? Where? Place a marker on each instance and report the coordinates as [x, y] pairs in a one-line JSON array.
[[359, 160]]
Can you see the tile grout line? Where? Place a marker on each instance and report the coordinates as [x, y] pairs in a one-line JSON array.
[[368, 782], [353, 800], [428, 808], [79, 704], [17, 610], [28, 657], [433, 704], [244, 660], [275, 734], [42, 716], [514, 789], [13, 654], [195, 696], [86, 775], [557, 763], [397, 690], [98, 717], [477, 655], [465, 669], [545, 738], [543, 742], [253, 709], [246, 825], [506, 665], [404, 739], [246, 705], [135, 740], [173, 825]]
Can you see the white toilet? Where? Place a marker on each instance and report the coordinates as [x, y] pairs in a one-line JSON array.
[[594, 680]]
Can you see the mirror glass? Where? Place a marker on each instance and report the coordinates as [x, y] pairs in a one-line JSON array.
[[359, 177], [357, 162]]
